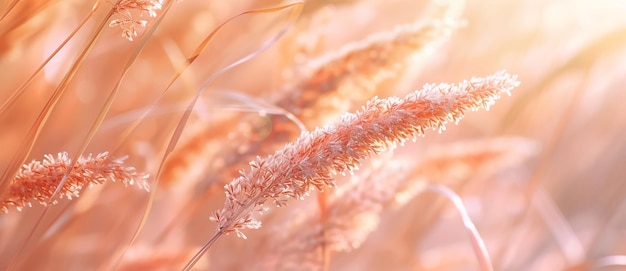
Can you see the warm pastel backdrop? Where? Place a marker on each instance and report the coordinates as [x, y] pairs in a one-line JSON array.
[[540, 174]]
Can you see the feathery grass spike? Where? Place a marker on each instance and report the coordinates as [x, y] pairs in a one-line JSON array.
[[315, 157], [39, 179]]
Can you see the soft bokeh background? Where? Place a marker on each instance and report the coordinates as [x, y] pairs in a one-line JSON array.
[[559, 207]]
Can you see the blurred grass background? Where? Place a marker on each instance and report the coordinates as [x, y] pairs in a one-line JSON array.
[[562, 209]]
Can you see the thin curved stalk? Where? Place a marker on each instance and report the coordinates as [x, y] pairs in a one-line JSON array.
[[477, 242], [9, 9], [20, 90], [203, 46]]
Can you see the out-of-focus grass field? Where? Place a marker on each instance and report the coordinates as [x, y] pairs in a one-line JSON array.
[[559, 205]]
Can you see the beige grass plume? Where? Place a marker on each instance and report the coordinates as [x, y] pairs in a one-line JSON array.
[[38, 180], [312, 161], [126, 21], [336, 81]]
